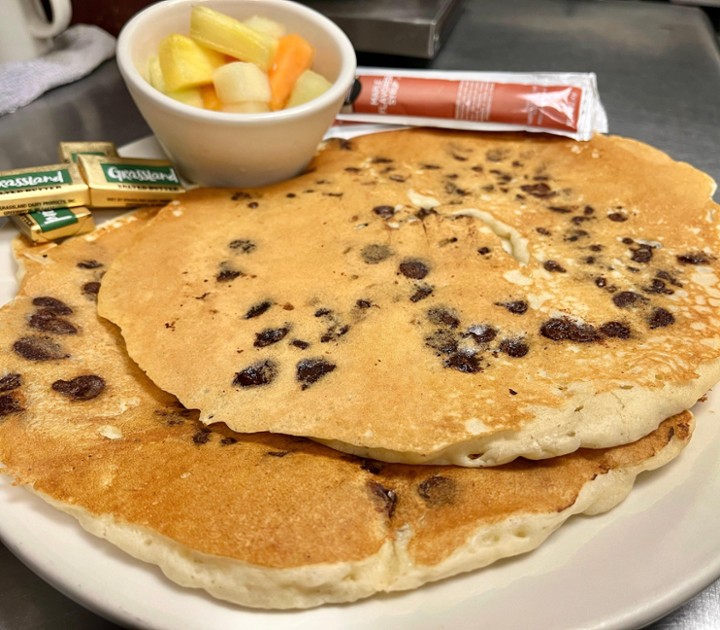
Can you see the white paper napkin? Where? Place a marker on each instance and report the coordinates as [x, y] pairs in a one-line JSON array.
[[76, 52]]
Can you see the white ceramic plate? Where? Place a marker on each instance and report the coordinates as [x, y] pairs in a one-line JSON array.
[[618, 570]]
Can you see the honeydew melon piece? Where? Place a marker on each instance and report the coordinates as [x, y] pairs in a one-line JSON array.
[[241, 81], [309, 85]]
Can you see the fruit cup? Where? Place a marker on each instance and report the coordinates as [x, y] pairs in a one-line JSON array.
[[232, 149]]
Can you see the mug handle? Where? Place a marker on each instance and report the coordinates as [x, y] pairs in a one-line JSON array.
[[38, 23]]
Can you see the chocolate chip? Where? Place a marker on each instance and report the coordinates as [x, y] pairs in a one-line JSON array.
[[660, 318], [430, 167], [658, 286], [363, 304], [8, 405], [309, 371], [516, 307], [270, 336], [564, 328], [299, 343], [443, 316], [381, 160], [257, 374], [618, 217], [85, 387], [424, 213], [384, 211], [483, 250], [385, 499], [10, 381], [437, 490], [277, 454], [227, 274], [481, 333], [89, 264], [39, 348], [422, 291], [47, 321], [323, 312], [372, 466], [91, 289], [553, 266], [201, 436], [588, 210], [414, 269], [627, 299], [258, 309], [496, 154], [241, 195], [694, 258], [52, 305], [600, 282], [375, 253], [515, 348], [563, 209], [576, 235], [642, 254], [243, 245], [466, 362], [617, 330], [541, 190], [443, 341], [543, 231], [665, 275], [227, 441]]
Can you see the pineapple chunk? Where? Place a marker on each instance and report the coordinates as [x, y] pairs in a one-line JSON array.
[[230, 36], [246, 107], [189, 96], [185, 63], [309, 85], [241, 81], [265, 25], [154, 72]]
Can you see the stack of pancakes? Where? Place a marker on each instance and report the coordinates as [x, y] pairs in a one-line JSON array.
[[421, 356]]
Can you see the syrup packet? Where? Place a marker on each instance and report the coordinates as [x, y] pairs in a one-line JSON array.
[[560, 103]]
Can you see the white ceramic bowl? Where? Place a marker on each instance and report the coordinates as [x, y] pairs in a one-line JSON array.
[[222, 149]]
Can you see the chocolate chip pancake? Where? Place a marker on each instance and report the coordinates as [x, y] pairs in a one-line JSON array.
[[261, 520], [436, 297]]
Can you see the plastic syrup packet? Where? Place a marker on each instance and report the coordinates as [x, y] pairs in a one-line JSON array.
[[560, 103]]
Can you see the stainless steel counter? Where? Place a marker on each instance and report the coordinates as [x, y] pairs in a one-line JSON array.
[[658, 69]]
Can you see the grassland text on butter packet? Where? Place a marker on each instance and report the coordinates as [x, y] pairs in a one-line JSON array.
[[42, 187], [125, 182]]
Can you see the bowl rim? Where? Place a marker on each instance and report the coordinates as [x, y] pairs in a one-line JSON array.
[[132, 76]]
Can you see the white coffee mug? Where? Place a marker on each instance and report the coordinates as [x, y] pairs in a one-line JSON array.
[[25, 30]]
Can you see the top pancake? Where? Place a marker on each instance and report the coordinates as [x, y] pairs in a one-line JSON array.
[[436, 297]]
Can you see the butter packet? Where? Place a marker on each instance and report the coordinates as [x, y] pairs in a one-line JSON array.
[[41, 187], [125, 182], [69, 151], [43, 226]]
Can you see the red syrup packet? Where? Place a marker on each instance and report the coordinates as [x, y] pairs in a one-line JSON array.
[[560, 103]]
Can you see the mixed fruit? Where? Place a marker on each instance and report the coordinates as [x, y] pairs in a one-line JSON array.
[[229, 65]]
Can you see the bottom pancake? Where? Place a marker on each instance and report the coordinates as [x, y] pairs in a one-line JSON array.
[[260, 520]]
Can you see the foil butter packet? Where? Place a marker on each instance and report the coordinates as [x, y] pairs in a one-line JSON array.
[[561, 103]]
